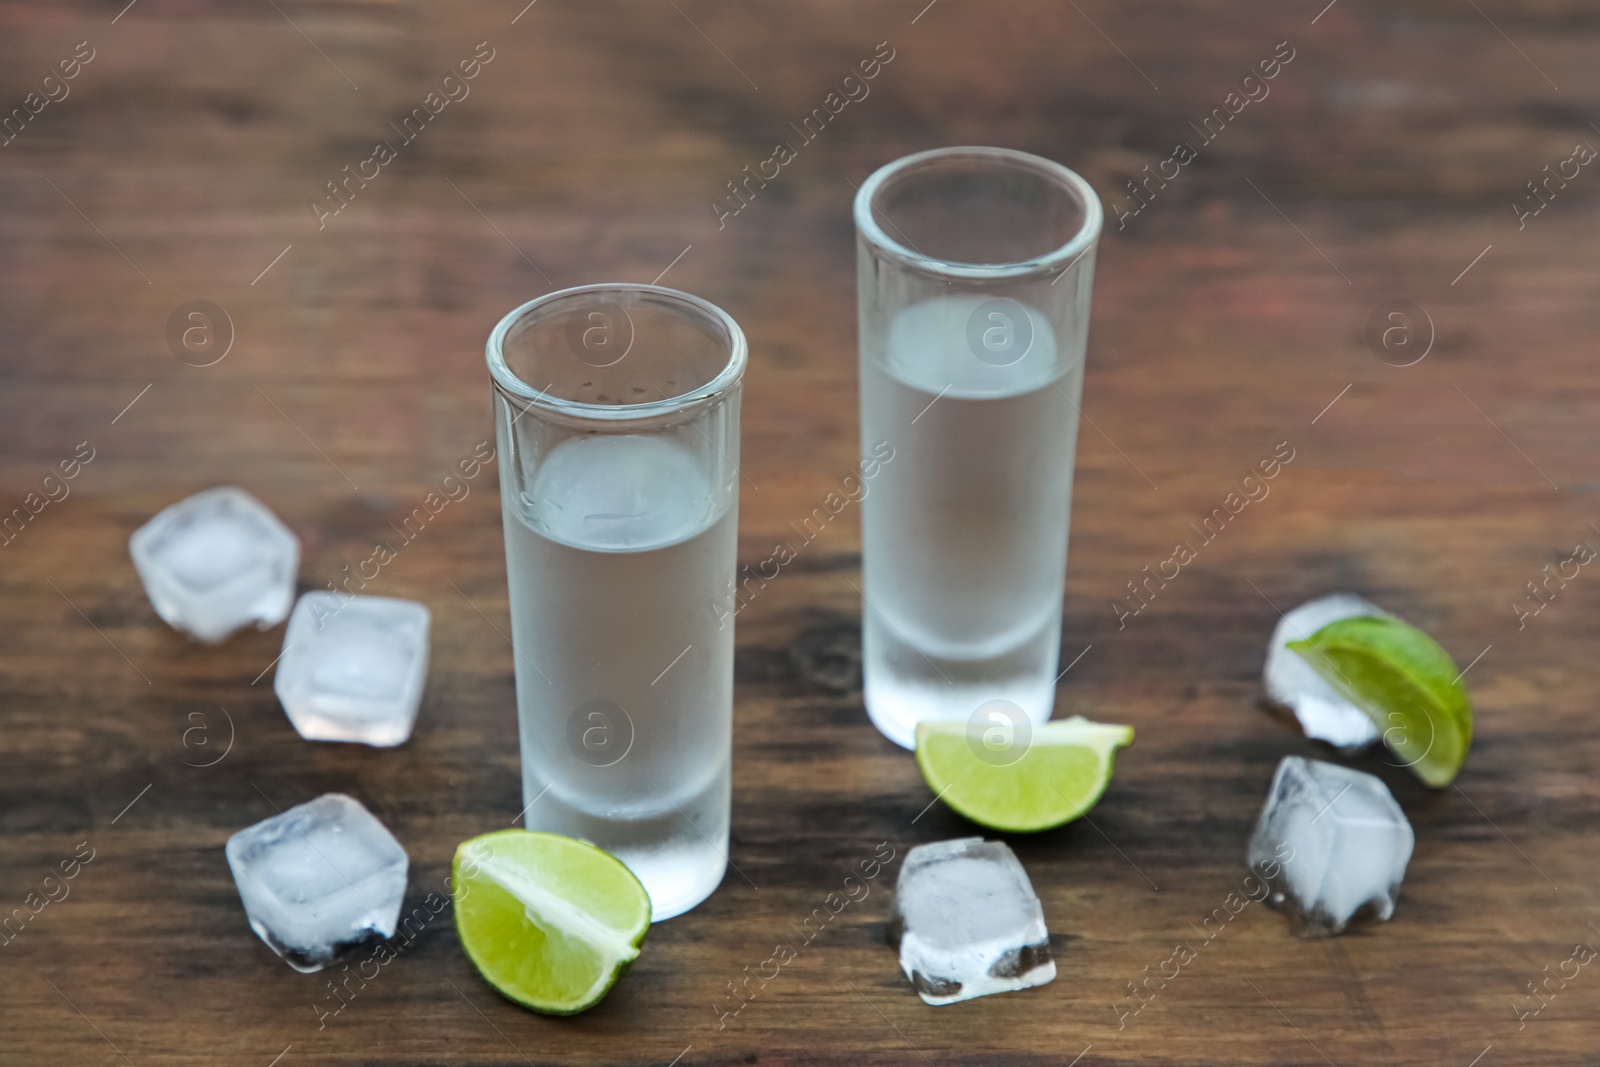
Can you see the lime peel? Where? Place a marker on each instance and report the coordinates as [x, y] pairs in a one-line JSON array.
[[1061, 772], [551, 922], [1406, 684]]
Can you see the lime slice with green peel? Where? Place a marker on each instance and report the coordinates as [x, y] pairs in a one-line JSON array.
[[1017, 776], [1408, 686], [549, 921]]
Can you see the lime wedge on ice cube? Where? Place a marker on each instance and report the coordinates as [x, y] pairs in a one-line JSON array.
[[549, 921], [1052, 776], [1408, 686]]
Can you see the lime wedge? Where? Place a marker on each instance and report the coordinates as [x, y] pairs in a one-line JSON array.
[[1040, 777], [549, 921], [1408, 686]]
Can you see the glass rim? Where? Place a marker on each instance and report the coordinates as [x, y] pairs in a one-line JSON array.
[[511, 385], [1059, 258]]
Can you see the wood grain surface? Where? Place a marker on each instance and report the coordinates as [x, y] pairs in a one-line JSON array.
[[182, 162]]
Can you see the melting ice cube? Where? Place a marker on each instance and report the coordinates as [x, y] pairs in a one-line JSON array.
[[319, 879], [1290, 681], [353, 667], [967, 923], [1338, 842], [216, 562]]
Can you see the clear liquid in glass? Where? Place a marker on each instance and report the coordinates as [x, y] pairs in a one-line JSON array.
[[965, 530], [626, 714]]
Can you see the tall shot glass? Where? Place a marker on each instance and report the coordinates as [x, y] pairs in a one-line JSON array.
[[974, 270], [617, 414]]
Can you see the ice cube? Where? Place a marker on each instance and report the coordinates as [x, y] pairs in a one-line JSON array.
[[1290, 681], [967, 923], [319, 879], [216, 562], [1333, 844], [352, 667]]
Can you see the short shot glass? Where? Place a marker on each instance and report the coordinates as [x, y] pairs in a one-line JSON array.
[[617, 413], [974, 269]]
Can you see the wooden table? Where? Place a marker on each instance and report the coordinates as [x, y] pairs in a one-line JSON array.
[[1231, 314]]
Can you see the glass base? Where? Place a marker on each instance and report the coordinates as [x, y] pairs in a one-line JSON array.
[[679, 850], [903, 686], [678, 878]]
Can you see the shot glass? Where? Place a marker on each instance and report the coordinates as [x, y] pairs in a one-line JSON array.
[[974, 270], [617, 415]]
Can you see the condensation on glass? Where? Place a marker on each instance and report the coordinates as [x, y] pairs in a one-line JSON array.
[[617, 413], [975, 266]]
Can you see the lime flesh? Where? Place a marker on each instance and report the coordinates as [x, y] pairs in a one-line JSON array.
[[1050, 777], [549, 921], [1408, 686]]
